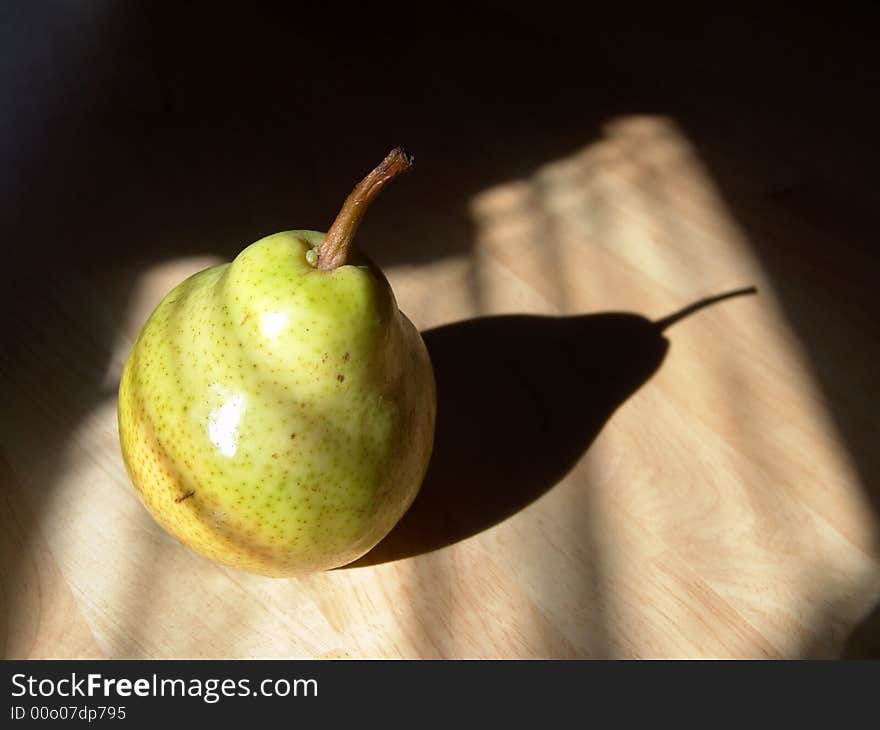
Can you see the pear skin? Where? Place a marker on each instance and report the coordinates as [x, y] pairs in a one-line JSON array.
[[275, 416]]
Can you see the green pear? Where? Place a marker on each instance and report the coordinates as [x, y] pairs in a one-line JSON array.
[[276, 414]]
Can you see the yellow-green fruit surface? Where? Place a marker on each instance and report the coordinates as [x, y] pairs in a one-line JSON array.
[[275, 417]]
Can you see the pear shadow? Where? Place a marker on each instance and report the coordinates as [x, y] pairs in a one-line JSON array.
[[520, 399]]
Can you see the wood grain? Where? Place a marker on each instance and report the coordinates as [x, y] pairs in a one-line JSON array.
[[600, 489]]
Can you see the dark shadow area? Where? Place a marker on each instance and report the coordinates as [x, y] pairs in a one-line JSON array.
[[864, 641], [520, 399]]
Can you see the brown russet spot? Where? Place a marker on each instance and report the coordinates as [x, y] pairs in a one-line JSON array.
[[340, 377], [292, 436], [185, 496], [346, 356], [274, 456]]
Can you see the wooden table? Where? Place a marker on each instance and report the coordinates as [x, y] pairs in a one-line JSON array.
[[600, 488]]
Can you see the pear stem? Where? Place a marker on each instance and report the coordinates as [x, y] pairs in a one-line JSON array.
[[336, 246]]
